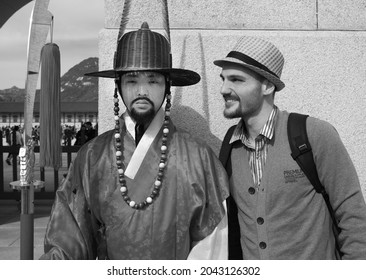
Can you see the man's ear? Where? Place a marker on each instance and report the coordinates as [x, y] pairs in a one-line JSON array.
[[269, 87]]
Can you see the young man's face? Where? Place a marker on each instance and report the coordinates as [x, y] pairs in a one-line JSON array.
[[243, 91], [143, 94]]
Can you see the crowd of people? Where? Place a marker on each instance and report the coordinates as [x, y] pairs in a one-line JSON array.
[[70, 135]]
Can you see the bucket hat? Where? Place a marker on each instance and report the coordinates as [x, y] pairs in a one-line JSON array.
[[145, 50], [259, 56]]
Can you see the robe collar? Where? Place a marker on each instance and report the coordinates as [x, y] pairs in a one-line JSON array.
[[145, 142]]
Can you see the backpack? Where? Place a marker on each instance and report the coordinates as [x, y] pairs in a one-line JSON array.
[[302, 153]]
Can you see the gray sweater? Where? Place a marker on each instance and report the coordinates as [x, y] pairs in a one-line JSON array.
[[285, 218]]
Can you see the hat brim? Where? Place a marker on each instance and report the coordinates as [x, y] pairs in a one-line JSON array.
[[270, 77], [179, 77]]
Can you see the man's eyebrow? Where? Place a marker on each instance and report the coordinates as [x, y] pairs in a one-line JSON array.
[[232, 76], [151, 75], [131, 74]]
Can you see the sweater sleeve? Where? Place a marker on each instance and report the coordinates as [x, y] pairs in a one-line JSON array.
[[338, 175]]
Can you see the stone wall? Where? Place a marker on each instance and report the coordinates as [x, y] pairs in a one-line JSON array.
[[323, 42]]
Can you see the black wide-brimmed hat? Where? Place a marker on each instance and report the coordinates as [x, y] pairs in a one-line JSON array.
[[145, 50]]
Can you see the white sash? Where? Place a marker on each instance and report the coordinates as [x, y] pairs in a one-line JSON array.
[[144, 144]]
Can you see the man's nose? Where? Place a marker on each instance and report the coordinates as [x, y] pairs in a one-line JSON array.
[[142, 91], [225, 89]]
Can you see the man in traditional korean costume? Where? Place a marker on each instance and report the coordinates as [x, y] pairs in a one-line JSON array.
[[144, 190]]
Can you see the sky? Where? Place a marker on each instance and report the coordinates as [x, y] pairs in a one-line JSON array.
[[77, 24]]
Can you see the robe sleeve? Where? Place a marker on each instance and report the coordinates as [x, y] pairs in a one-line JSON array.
[[69, 233], [209, 222], [215, 245]]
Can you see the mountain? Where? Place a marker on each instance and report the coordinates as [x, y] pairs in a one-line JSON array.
[[13, 94], [75, 87]]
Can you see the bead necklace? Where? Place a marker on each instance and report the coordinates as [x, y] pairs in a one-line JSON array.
[[119, 157]]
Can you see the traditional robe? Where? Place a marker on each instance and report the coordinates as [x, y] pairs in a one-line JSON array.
[[91, 220]]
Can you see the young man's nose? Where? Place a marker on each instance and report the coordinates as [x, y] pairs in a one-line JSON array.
[[224, 90]]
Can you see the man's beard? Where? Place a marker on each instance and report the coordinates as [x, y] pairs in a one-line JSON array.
[[232, 114], [145, 117]]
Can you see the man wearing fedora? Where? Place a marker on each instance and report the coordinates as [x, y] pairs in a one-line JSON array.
[[279, 213], [144, 190]]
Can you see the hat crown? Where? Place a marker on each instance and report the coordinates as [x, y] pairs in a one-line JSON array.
[[142, 49], [263, 52]]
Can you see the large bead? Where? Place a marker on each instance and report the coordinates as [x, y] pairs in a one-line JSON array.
[[120, 171], [166, 130], [123, 189], [132, 203], [161, 165], [164, 148], [149, 199], [118, 153], [117, 135], [157, 183]]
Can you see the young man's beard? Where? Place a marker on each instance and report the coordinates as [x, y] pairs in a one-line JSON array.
[[232, 114]]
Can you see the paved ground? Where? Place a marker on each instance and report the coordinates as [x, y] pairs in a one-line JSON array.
[[10, 228]]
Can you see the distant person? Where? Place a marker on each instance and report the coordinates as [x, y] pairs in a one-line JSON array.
[[35, 134], [81, 137], [89, 131], [18, 143], [8, 136], [68, 135]]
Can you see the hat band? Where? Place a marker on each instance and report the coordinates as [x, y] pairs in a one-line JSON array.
[[248, 60]]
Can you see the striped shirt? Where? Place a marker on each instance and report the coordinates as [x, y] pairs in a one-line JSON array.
[[258, 151]]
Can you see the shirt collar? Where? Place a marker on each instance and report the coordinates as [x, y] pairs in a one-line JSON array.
[[267, 130]]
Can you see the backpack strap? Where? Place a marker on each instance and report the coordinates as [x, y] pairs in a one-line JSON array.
[[225, 150], [302, 153], [301, 150], [235, 252]]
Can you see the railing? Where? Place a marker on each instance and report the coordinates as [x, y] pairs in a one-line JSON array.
[[67, 151]]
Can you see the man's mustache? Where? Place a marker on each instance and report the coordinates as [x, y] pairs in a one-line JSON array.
[[142, 98]]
